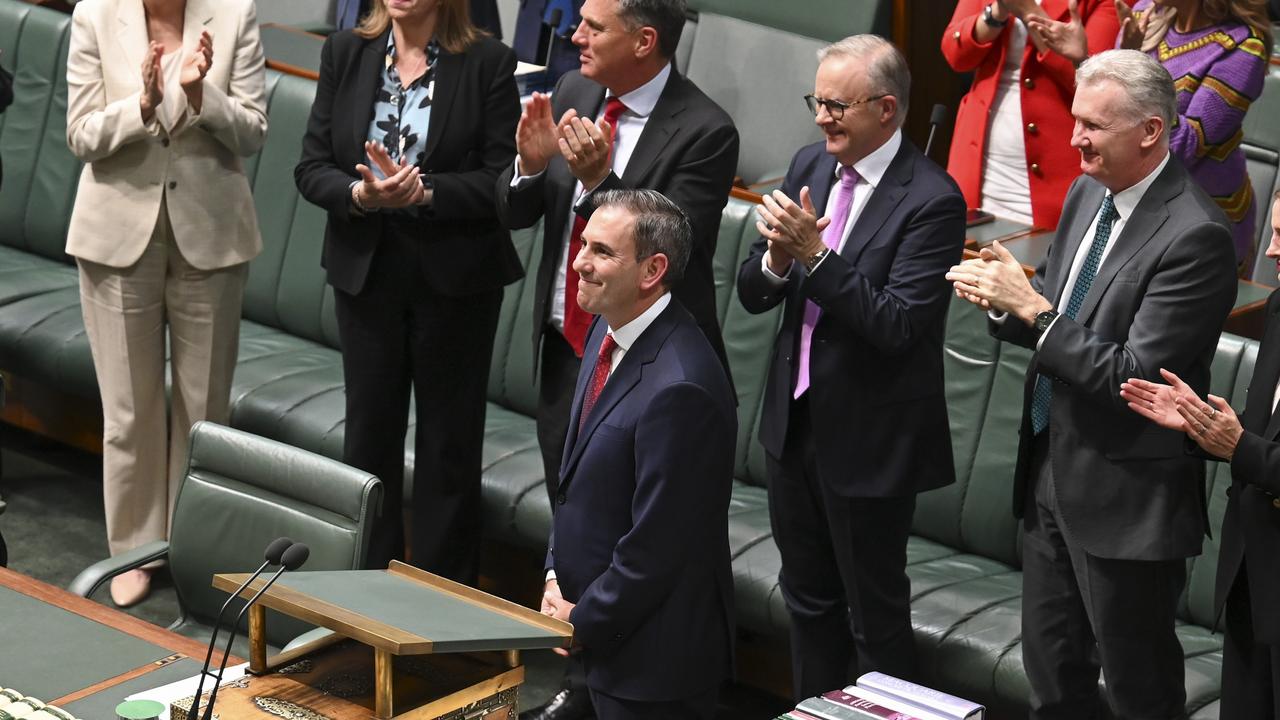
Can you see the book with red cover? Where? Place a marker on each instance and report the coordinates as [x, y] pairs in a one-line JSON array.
[[849, 698]]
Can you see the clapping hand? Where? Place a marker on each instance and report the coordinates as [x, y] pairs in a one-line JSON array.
[[536, 135], [1213, 425], [401, 185], [195, 66], [1133, 29], [152, 81], [587, 147], [995, 281], [793, 231], [1067, 39]]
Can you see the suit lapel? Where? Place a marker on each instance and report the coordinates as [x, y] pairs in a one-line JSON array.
[[881, 204], [133, 33], [663, 124], [1070, 237], [624, 379], [447, 78], [1147, 218], [369, 68]]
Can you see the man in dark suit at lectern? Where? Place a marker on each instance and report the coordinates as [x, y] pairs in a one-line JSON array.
[[638, 559]]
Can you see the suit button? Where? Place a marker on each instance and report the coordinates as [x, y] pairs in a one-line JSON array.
[[956, 35], [560, 498], [173, 184], [1029, 83], [617, 636], [1035, 168], [1031, 128], [165, 142]]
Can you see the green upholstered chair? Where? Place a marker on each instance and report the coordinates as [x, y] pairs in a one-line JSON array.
[[240, 492]]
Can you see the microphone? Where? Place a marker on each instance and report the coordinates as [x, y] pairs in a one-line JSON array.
[[291, 559], [936, 118], [272, 556], [552, 24]]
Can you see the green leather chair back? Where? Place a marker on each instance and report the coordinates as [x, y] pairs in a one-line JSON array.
[[512, 381], [286, 287], [240, 492], [984, 384], [40, 173], [828, 20], [748, 338]]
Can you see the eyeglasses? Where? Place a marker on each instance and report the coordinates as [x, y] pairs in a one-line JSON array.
[[836, 108]]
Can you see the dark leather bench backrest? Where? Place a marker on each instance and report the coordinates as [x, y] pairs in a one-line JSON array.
[[40, 173]]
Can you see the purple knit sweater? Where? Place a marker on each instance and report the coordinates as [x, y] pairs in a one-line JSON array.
[[1217, 71]]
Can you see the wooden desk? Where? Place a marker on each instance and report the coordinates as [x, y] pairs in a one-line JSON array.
[[291, 50], [80, 655]]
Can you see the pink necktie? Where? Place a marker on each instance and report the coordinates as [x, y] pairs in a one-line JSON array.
[[831, 237]]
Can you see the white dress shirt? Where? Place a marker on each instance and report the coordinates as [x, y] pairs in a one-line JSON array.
[[871, 170], [1005, 189], [640, 103]]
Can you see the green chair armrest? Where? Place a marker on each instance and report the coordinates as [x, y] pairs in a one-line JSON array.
[[92, 577]]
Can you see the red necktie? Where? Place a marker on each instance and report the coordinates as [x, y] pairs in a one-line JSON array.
[[604, 362], [576, 320]]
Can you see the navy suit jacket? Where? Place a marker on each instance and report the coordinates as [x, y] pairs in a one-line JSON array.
[[1251, 526], [640, 535], [878, 411]]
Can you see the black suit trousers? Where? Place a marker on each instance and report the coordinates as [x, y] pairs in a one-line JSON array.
[[1082, 613], [398, 334], [843, 572], [1250, 669]]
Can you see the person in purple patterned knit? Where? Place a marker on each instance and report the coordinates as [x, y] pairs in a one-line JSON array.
[[1217, 52]]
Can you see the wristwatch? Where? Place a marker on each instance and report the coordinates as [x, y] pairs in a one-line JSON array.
[[990, 19], [812, 261], [1044, 320]]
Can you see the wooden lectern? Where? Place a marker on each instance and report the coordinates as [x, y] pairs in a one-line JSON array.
[[399, 613]]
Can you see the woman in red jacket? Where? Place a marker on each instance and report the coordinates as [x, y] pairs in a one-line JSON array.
[[1011, 153]]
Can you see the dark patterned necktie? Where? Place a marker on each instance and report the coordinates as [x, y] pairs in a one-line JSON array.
[[1042, 396]]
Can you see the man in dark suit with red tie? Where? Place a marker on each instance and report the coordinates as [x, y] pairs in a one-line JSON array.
[[638, 558], [854, 421]]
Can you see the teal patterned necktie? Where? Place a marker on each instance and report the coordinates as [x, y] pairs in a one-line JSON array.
[[1042, 396]]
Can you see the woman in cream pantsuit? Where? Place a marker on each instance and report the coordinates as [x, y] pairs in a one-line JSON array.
[[164, 98]]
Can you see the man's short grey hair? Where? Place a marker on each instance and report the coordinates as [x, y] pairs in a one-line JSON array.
[[885, 67], [1147, 85], [665, 16], [660, 227]]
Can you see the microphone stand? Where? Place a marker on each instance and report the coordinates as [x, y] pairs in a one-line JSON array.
[[292, 559]]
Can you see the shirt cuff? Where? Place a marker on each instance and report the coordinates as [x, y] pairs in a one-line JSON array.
[[772, 277], [519, 180], [551, 575]]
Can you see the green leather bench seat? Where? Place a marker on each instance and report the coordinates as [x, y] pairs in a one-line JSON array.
[[42, 338], [23, 275]]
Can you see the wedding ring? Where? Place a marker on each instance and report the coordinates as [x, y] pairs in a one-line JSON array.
[[1212, 411]]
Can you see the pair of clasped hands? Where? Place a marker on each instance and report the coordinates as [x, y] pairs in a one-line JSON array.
[[554, 605], [195, 66], [585, 145]]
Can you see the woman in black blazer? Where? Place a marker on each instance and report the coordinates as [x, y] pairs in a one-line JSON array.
[[414, 117], [1247, 588]]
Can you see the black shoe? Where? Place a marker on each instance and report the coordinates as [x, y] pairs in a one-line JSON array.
[[568, 704]]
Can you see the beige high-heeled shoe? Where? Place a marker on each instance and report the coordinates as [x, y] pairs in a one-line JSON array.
[[130, 588]]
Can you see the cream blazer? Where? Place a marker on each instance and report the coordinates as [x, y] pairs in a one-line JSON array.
[[130, 167]]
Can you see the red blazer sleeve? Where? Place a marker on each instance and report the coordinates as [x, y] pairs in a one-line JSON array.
[[962, 52]]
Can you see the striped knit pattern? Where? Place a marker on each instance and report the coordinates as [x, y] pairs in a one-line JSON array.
[[1218, 72]]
